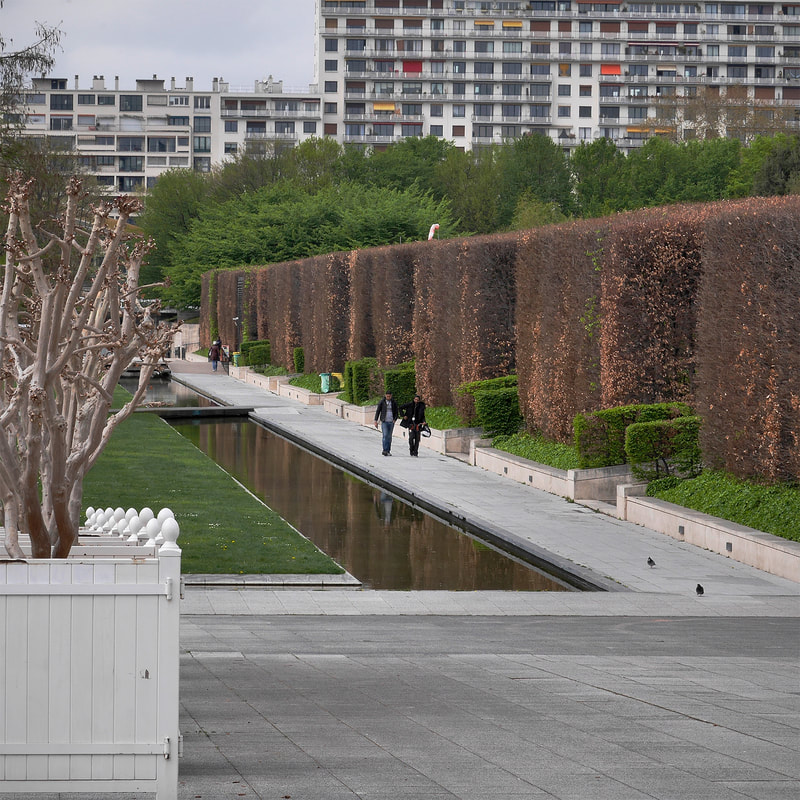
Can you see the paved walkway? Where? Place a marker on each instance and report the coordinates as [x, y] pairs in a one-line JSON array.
[[604, 550], [641, 693]]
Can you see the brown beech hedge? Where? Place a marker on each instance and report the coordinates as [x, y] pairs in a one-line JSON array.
[[697, 304]]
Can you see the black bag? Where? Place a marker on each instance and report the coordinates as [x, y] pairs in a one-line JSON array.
[[404, 423]]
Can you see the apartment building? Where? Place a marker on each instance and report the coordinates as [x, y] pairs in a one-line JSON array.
[[479, 72], [471, 71], [128, 137]]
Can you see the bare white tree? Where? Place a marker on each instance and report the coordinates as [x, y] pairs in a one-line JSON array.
[[70, 324]]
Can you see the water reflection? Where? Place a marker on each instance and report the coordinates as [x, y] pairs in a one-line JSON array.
[[167, 393], [381, 540]]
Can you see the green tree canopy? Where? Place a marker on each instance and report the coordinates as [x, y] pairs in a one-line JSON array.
[[283, 223]]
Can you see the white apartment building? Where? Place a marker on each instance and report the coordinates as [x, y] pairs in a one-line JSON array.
[[479, 72], [471, 71], [128, 137]]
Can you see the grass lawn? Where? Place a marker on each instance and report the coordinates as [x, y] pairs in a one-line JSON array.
[[224, 528]]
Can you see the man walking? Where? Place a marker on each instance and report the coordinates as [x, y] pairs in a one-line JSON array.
[[414, 418], [387, 413]]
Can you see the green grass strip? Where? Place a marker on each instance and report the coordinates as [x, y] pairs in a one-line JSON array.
[[538, 449], [772, 509], [224, 528]]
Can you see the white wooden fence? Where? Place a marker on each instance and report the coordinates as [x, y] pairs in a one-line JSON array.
[[89, 671]]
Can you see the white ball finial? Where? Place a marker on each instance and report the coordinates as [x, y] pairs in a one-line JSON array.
[[130, 514], [165, 513], [146, 514], [153, 528], [134, 526], [170, 531]]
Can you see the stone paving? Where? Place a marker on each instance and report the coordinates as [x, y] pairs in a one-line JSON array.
[[640, 693]]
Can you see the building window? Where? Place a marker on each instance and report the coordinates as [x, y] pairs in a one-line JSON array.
[[60, 123], [130, 102], [86, 99], [331, 45], [609, 49], [284, 126], [412, 109], [331, 86], [564, 111], [160, 144], [512, 69], [356, 65], [231, 126], [131, 183], [61, 102], [437, 88], [484, 47], [512, 90], [512, 110], [564, 90], [331, 65], [231, 148], [202, 164], [437, 110], [459, 46], [484, 89], [482, 131], [458, 130], [459, 110], [437, 130], [179, 99], [564, 70], [411, 129], [202, 101], [309, 127], [131, 164], [485, 110], [202, 144], [178, 121], [585, 70], [330, 108], [584, 111], [130, 144], [356, 45], [202, 124], [483, 68], [383, 129], [586, 48], [106, 100]]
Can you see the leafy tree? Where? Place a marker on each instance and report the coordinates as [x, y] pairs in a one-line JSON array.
[[283, 223], [740, 180], [170, 207], [413, 160], [533, 213], [599, 170], [470, 181], [780, 171], [15, 66], [535, 165]]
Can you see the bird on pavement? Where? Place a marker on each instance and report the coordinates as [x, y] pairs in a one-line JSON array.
[[699, 590], [650, 562]]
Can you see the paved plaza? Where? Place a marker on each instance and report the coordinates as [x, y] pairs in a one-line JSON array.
[[643, 691]]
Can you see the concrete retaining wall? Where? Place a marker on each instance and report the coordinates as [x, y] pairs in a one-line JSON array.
[[762, 550], [575, 484]]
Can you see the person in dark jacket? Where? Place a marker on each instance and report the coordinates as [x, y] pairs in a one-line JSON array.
[[214, 355], [387, 412], [414, 417]]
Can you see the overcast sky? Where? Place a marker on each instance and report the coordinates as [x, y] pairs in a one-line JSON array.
[[238, 40]]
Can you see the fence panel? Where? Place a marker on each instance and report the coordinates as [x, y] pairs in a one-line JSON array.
[[89, 674]]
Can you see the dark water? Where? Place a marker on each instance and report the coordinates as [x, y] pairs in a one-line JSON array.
[[169, 393], [381, 540]]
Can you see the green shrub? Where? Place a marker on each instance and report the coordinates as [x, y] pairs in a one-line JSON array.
[[443, 418], [258, 354], [465, 394], [271, 369], [537, 448], [600, 435], [358, 380], [401, 381], [497, 410], [772, 509], [247, 344], [313, 382], [663, 447], [299, 357]]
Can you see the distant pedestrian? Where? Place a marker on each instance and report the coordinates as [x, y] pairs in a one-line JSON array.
[[413, 419], [387, 412], [214, 354]]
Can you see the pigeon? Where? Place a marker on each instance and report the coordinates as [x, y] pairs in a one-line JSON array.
[[700, 591], [650, 562]]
